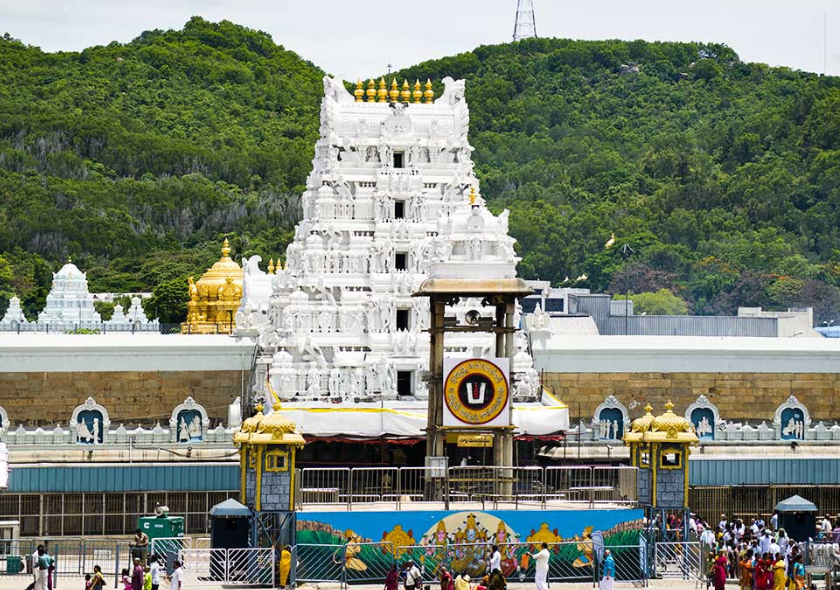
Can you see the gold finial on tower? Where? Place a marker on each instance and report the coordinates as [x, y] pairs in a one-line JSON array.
[[648, 408], [359, 91], [226, 249], [669, 406], [417, 94], [383, 92], [472, 195], [405, 95], [429, 93], [259, 408], [394, 94], [371, 91], [271, 266]]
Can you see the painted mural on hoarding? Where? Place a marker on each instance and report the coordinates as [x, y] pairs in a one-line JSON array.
[[365, 544]]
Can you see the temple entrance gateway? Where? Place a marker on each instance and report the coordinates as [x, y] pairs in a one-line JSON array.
[[472, 396]]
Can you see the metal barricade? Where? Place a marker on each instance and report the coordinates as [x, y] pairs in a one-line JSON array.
[[615, 484], [374, 485], [318, 563], [418, 484], [528, 487], [631, 562], [681, 559], [164, 545], [16, 557], [474, 483], [367, 562], [203, 566], [568, 484], [324, 486], [111, 556], [168, 548], [487, 486], [250, 567], [429, 559]]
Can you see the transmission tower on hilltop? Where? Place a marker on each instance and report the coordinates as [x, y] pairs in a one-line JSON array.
[[526, 23]]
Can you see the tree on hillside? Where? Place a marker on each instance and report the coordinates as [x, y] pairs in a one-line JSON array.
[[661, 302]]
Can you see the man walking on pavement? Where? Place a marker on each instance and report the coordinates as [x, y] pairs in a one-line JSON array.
[[541, 560]]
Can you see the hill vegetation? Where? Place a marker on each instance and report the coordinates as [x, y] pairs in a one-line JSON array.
[[723, 177]]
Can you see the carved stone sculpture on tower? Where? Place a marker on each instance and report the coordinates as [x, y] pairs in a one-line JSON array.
[[391, 190]]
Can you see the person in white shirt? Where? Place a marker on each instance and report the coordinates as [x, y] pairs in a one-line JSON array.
[[825, 526], [707, 538], [722, 523], [412, 577], [541, 561], [764, 542], [496, 559], [175, 578], [154, 569]]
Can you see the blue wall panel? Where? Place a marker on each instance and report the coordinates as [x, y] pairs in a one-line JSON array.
[[119, 478]]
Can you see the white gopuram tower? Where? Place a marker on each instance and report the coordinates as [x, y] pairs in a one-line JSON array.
[[388, 195], [69, 303]]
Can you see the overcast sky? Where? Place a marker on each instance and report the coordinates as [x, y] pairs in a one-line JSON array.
[[358, 38]]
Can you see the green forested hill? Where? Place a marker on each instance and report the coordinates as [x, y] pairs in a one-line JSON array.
[[135, 159], [723, 176]]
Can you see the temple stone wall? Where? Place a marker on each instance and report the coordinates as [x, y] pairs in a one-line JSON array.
[[738, 396], [131, 397]]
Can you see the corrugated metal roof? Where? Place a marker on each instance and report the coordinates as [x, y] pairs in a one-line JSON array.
[[573, 324], [136, 478], [666, 325], [764, 471]]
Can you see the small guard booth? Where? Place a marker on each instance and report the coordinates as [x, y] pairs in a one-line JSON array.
[[798, 517], [230, 528], [267, 448], [230, 525]]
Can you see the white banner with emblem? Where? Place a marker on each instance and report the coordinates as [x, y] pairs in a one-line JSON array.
[[476, 392]]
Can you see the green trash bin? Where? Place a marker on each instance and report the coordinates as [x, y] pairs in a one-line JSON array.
[[13, 564]]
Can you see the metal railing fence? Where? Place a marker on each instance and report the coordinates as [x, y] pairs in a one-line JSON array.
[[678, 559], [490, 486], [579, 560], [213, 567]]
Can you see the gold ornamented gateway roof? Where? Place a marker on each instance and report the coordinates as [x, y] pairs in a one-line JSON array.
[[274, 429], [667, 427], [670, 427]]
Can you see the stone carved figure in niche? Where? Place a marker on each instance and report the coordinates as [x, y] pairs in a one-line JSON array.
[[704, 428], [183, 431], [84, 434], [313, 379], [195, 428]]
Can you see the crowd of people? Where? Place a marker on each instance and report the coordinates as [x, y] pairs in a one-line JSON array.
[[409, 576], [146, 573], [761, 556]]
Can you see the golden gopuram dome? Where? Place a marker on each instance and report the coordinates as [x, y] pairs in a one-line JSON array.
[[639, 426], [670, 427], [215, 298], [273, 429], [667, 427]]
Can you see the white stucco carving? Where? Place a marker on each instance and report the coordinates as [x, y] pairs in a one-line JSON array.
[[389, 194]]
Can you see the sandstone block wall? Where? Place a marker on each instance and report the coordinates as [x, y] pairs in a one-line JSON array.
[[738, 396], [131, 398]]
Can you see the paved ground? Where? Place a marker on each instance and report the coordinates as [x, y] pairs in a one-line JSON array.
[[73, 583]]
